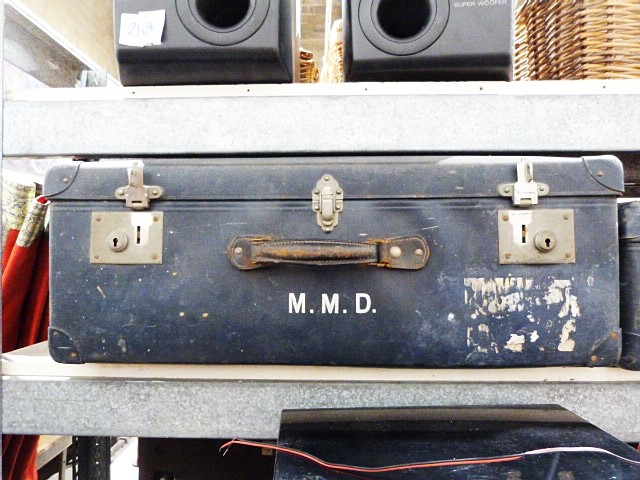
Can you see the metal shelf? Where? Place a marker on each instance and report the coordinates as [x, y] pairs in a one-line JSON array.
[[586, 116], [41, 396]]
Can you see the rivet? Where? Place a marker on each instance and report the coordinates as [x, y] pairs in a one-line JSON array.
[[395, 252], [507, 189], [98, 219], [338, 207], [97, 257], [155, 219], [419, 252], [326, 178], [316, 207], [238, 251], [316, 191], [567, 255], [154, 256], [541, 188], [205, 315], [614, 335], [74, 354], [65, 180], [505, 218], [594, 358], [154, 192], [56, 333], [600, 173], [339, 191], [120, 192], [566, 216], [507, 255]]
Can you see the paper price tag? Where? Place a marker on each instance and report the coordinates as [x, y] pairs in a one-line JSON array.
[[142, 29]]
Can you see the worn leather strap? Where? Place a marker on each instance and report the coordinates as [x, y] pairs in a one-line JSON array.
[[408, 253]]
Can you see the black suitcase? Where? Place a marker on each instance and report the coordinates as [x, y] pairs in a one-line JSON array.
[[360, 260], [629, 223]]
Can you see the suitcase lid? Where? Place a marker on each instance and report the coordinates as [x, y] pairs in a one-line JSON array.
[[360, 177]]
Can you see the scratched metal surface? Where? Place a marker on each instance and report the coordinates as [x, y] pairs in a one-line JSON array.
[[462, 309]]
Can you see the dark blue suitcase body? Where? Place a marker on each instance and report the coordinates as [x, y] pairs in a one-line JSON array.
[[629, 223], [385, 261]]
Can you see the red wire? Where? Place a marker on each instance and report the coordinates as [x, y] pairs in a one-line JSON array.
[[351, 468]]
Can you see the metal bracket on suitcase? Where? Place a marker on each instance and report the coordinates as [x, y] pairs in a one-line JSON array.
[[327, 200], [525, 191], [137, 194], [541, 236], [127, 238]]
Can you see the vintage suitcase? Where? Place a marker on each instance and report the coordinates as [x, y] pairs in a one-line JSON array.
[[360, 260], [629, 224]]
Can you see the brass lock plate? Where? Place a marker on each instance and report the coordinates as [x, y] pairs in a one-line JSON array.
[[540, 236], [126, 238]]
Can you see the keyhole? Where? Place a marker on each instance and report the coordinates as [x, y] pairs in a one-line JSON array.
[[117, 241], [524, 234], [548, 242]]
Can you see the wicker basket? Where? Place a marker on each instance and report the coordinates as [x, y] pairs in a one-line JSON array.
[[308, 69], [577, 39], [333, 67]]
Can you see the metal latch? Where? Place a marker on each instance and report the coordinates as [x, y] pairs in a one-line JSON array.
[[137, 194], [328, 202], [525, 191]]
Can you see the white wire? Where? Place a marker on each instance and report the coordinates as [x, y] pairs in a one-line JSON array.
[[543, 451]]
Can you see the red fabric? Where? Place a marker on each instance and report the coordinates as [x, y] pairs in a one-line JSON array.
[[25, 318]]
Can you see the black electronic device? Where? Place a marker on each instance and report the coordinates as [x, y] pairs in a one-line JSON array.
[[463, 443], [428, 40], [205, 41]]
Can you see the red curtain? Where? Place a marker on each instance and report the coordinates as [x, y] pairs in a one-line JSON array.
[[25, 299]]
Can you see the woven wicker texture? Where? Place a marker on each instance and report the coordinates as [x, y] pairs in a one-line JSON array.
[[333, 67], [308, 69], [577, 39]]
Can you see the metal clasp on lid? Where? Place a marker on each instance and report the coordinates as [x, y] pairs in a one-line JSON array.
[[328, 202], [525, 191], [137, 194]]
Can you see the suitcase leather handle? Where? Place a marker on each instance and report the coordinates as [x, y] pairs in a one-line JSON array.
[[407, 253]]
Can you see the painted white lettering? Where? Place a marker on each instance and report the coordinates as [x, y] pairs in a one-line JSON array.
[[367, 305], [297, 305], [330, 306]]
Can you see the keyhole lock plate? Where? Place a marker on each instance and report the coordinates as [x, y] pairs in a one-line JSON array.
[[126, 238], [539, 236]]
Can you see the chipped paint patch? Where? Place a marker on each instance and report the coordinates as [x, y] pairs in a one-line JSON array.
[[494, 295], [515, 343], [567, 344], [510, 313], [559, 292]]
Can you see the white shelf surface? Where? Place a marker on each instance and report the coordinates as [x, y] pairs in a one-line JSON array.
[[219, 401], [488, 117]]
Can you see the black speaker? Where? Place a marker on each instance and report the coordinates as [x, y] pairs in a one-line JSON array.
[[418, 40], [208, 42]]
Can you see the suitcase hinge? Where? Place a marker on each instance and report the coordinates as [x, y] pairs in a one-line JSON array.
[[137, 194], [328, 202], [525, 191]]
